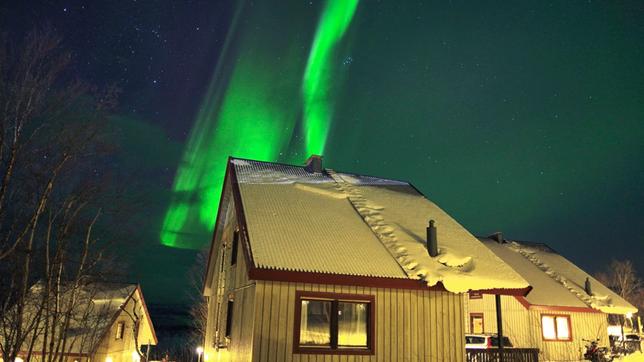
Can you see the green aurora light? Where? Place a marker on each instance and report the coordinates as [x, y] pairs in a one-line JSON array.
[[318, 77], [249, 111]]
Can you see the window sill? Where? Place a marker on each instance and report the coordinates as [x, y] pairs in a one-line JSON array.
[[340, 351]]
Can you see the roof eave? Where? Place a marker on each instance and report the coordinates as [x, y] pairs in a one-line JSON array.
[[364, 281]]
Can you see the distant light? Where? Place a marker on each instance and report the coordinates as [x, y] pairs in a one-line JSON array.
[[18, 359], [629, 315], [135, 356], [109, 359], [199, 350]]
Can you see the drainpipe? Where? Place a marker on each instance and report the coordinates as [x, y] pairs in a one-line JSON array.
[[499, 325]]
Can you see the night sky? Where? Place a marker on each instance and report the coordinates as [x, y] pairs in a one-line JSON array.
[[523, 117]]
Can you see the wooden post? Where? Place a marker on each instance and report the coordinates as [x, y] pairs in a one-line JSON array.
[[499, 325]]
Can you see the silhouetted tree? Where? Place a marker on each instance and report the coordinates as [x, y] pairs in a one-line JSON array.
[[50, 142]]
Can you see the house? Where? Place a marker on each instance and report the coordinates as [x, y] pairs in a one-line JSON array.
[[307, 263], [100, 328], [565, 306]]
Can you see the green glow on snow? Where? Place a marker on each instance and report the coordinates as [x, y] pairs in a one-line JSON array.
[[317, 81]]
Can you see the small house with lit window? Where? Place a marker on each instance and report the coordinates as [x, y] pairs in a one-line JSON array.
[[101, 327], [309, 263], [565, 307]]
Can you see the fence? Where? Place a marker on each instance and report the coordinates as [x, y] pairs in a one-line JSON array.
[[509, 355]]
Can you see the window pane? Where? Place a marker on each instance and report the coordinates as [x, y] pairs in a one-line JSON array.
[[562, 328], [548, 326], [352, 324], [315, 323], [474, 340], [477, 324]]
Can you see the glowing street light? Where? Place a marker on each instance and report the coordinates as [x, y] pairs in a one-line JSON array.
[[199, 353]]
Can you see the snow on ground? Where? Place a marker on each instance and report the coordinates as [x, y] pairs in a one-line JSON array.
[[635, 357]]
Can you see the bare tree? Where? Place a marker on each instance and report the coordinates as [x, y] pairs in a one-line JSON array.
[[50, 139], [135, 314], [199, 307], [621, 277]]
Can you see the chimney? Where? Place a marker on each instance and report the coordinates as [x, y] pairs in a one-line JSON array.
[[587, 287], [314, 164], [498, 237], [432, 243]]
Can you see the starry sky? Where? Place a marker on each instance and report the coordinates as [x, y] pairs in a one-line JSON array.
[[521, 117]]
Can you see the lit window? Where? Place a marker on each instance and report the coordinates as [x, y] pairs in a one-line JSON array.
[[562, 328], [119, 330], [556, 327], [476, 323], [315, 324], [352, 324], [333, 322]]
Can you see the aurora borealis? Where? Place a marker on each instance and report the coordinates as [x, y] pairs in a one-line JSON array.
[[243, 114], [318, 82], [524, 117]]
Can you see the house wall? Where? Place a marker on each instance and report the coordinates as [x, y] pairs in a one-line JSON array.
[[230, 282], [523, 326], [410, 325]]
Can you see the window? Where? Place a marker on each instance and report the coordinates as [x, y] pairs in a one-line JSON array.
[[476, 295], [334, 323], [229, 318], [556, 327], [233, 251], [120, 326], [476, 323]]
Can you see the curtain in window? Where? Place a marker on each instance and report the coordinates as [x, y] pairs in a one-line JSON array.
[[352, 324], [315, 323]]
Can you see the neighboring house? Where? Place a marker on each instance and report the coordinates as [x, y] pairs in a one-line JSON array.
[[100, 328], [308, 263], [560, 312]]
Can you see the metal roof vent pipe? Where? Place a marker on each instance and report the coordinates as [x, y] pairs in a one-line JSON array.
[[432, 242], [587, 287], [314, 164], [498, 237]]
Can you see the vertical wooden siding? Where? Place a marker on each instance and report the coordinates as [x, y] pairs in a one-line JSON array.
[[241, 290], [411, 325], [523, 326]]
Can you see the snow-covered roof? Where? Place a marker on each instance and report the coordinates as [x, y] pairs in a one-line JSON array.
[[555, 280], [340, 223]]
